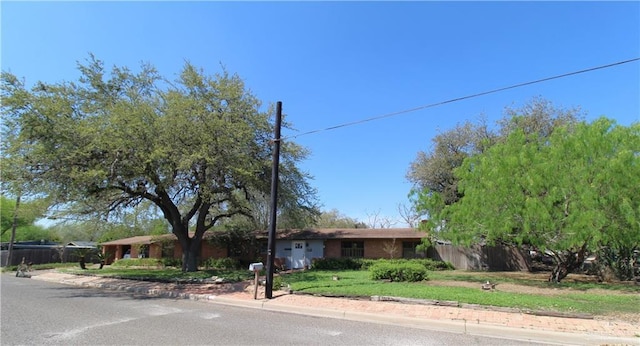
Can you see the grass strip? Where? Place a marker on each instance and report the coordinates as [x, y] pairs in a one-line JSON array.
[[357, 283]]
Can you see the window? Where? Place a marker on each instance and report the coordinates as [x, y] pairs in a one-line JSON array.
[[167, 249], [352, 249], [144, 251], [126, 250], [409, 249], [264, 247]]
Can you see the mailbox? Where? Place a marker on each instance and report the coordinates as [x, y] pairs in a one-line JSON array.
[[256, 267]]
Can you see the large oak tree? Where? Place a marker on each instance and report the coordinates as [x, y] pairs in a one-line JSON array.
[[199, 148]]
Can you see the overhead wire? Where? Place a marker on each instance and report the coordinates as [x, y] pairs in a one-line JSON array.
[[388, 115]]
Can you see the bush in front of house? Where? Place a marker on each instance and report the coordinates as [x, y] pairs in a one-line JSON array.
[[432, 265], [221, 263], [171, 262], [398, 271], [137, 262], [428, 263], [337, 264], [366, 263]]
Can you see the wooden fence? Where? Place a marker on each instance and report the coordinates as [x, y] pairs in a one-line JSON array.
[[43, 255], [477, 257]]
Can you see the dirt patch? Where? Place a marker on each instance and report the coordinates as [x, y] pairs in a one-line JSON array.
[[527, 289], [539, 282]]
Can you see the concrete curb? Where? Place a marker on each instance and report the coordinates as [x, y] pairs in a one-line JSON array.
[[449, 326]]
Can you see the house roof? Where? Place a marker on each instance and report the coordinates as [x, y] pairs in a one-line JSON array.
[[306, 234], [139, 240], [350, 233], [82, 243]]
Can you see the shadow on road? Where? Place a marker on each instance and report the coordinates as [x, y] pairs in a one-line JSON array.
[[91, 292]]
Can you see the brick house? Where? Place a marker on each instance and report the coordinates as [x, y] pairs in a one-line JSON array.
[[295, 249], [154, 246]]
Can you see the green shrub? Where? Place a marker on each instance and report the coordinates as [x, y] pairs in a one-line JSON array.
[[171, 262], [137, 262], [427, 263], [221, 263], [433, 265], [398, 271], [337, 264], [278, 283], [367, 263]]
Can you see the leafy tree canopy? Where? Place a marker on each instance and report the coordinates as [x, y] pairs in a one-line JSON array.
[[334, 219], [565, 191], [27, 214], [198, 148], [139, 220], [432, 172]]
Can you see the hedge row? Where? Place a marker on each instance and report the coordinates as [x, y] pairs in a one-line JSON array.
[[397, 272], [337, 263], [137, 262], [365, 264], [221, 263]]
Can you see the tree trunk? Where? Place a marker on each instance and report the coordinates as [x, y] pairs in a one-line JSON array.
[[190, 245], [560, 271], [621, 259], [14, 225], [190, 254], [567, 263], [189, 262]]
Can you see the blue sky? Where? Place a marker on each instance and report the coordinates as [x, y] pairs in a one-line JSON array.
[[337, 62]]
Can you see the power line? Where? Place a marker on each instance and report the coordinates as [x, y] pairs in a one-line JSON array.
[[388, 115]]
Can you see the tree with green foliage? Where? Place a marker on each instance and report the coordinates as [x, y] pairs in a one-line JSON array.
[[198, 148], [17, 222], [432, 172], [334, 219], [143, 219], [31, 232], [27, 213], [25, 206], [565, 192], [289, 216], [618, 190]]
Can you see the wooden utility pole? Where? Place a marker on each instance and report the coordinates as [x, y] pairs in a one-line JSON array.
[[271, 245]]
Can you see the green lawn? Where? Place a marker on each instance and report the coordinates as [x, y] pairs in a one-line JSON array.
[[575, 296], [580, 283], [571, 298]]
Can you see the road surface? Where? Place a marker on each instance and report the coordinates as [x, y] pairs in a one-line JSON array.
[[43, 313]]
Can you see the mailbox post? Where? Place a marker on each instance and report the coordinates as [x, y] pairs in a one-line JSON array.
[[256, 268]]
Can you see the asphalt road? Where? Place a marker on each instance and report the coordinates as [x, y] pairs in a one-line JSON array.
[[44, 313]]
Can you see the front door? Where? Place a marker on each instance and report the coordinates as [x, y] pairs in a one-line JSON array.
[[297, 254]]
